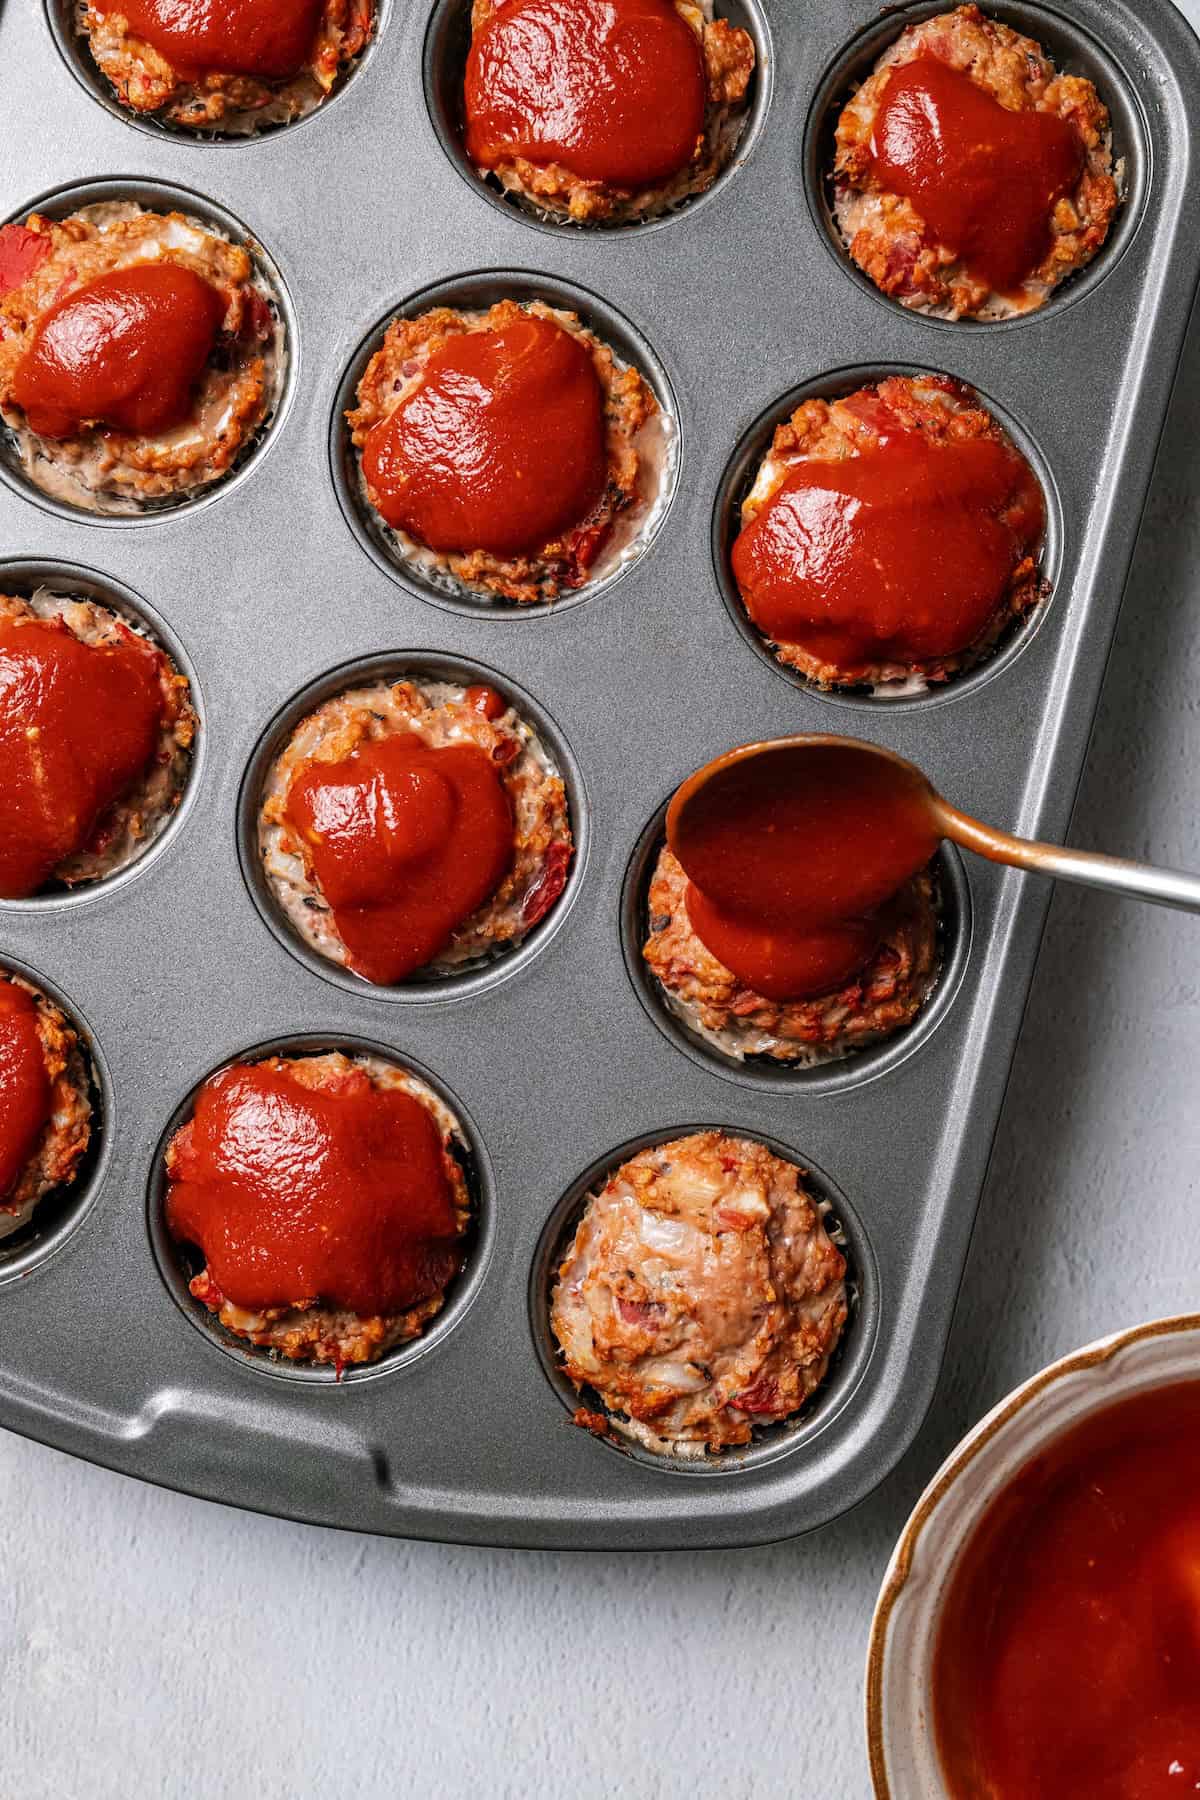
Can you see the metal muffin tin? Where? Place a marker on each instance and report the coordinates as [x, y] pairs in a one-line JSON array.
[[558, 1060]]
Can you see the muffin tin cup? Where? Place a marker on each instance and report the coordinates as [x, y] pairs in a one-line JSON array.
[[829, 1075], [850, 1358], [177, 1263], [444, 61], [1075, 51], [24, 577], [73, 47], [163, 196], [408, 666], [739, 477], [560, 1055], [64, 1210], [476, 293]]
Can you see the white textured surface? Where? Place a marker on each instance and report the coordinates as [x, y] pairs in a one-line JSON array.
[[153, 1645]]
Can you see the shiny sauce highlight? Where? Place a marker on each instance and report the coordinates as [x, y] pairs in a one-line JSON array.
[[501, 445], [271, 39], [125, 350], [792, 864], [79, 725], [613, 90], [901, 554], [405, 841], [1067, 1661], [24, 1084], [298, 1195], [984, 179]]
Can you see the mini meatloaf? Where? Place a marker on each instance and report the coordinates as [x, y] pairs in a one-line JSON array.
[[96, 735], [892, 536], [970, 177], [701, 1295], [234, 67], [327, 1197], [709, 999], [140, 355], [508, 453], [604, 111], [45, 1102], [530, 814]]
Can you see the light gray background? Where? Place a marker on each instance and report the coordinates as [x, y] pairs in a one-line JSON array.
[[155, 1645]]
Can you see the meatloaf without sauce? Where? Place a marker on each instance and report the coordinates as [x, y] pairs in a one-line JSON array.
[[701, 1295]]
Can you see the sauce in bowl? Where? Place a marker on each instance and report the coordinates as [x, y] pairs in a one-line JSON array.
[[1067, 1660]]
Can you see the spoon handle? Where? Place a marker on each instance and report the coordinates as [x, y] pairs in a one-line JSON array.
[[1114, 874]]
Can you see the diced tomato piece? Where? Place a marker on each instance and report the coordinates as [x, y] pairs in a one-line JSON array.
[[21, 250], [548, 886]]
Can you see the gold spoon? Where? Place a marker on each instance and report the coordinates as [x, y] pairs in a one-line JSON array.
[[820, 779]]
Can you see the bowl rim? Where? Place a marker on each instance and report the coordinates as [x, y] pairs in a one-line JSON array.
[[1090, 1356]]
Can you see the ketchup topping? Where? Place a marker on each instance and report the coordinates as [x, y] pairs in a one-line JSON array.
[[1067, 1660], [984, 179], [79, 724], [792, 860], [125, 350], [272, 39], [24, 1084], [405, 840], [298, 1194], [902, 553], [614, 90], [500, 447]]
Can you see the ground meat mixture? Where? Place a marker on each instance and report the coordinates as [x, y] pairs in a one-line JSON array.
[[701, 1295], [65, 1139], [137, 818], [144, 80], [102, 469], [312, 1332], [554, 189], [635, 439], [886, 235], [439, 713], [885, 997], [944, 412]]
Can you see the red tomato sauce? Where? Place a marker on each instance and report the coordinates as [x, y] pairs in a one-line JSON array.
[[405, 841], [79, 725], [24, 1084], [501, 446], [614, 90], [901, 554], [790, 878], [298, 1195], [125, 350], [268, 38], [984, 179], [1067, 1661]]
